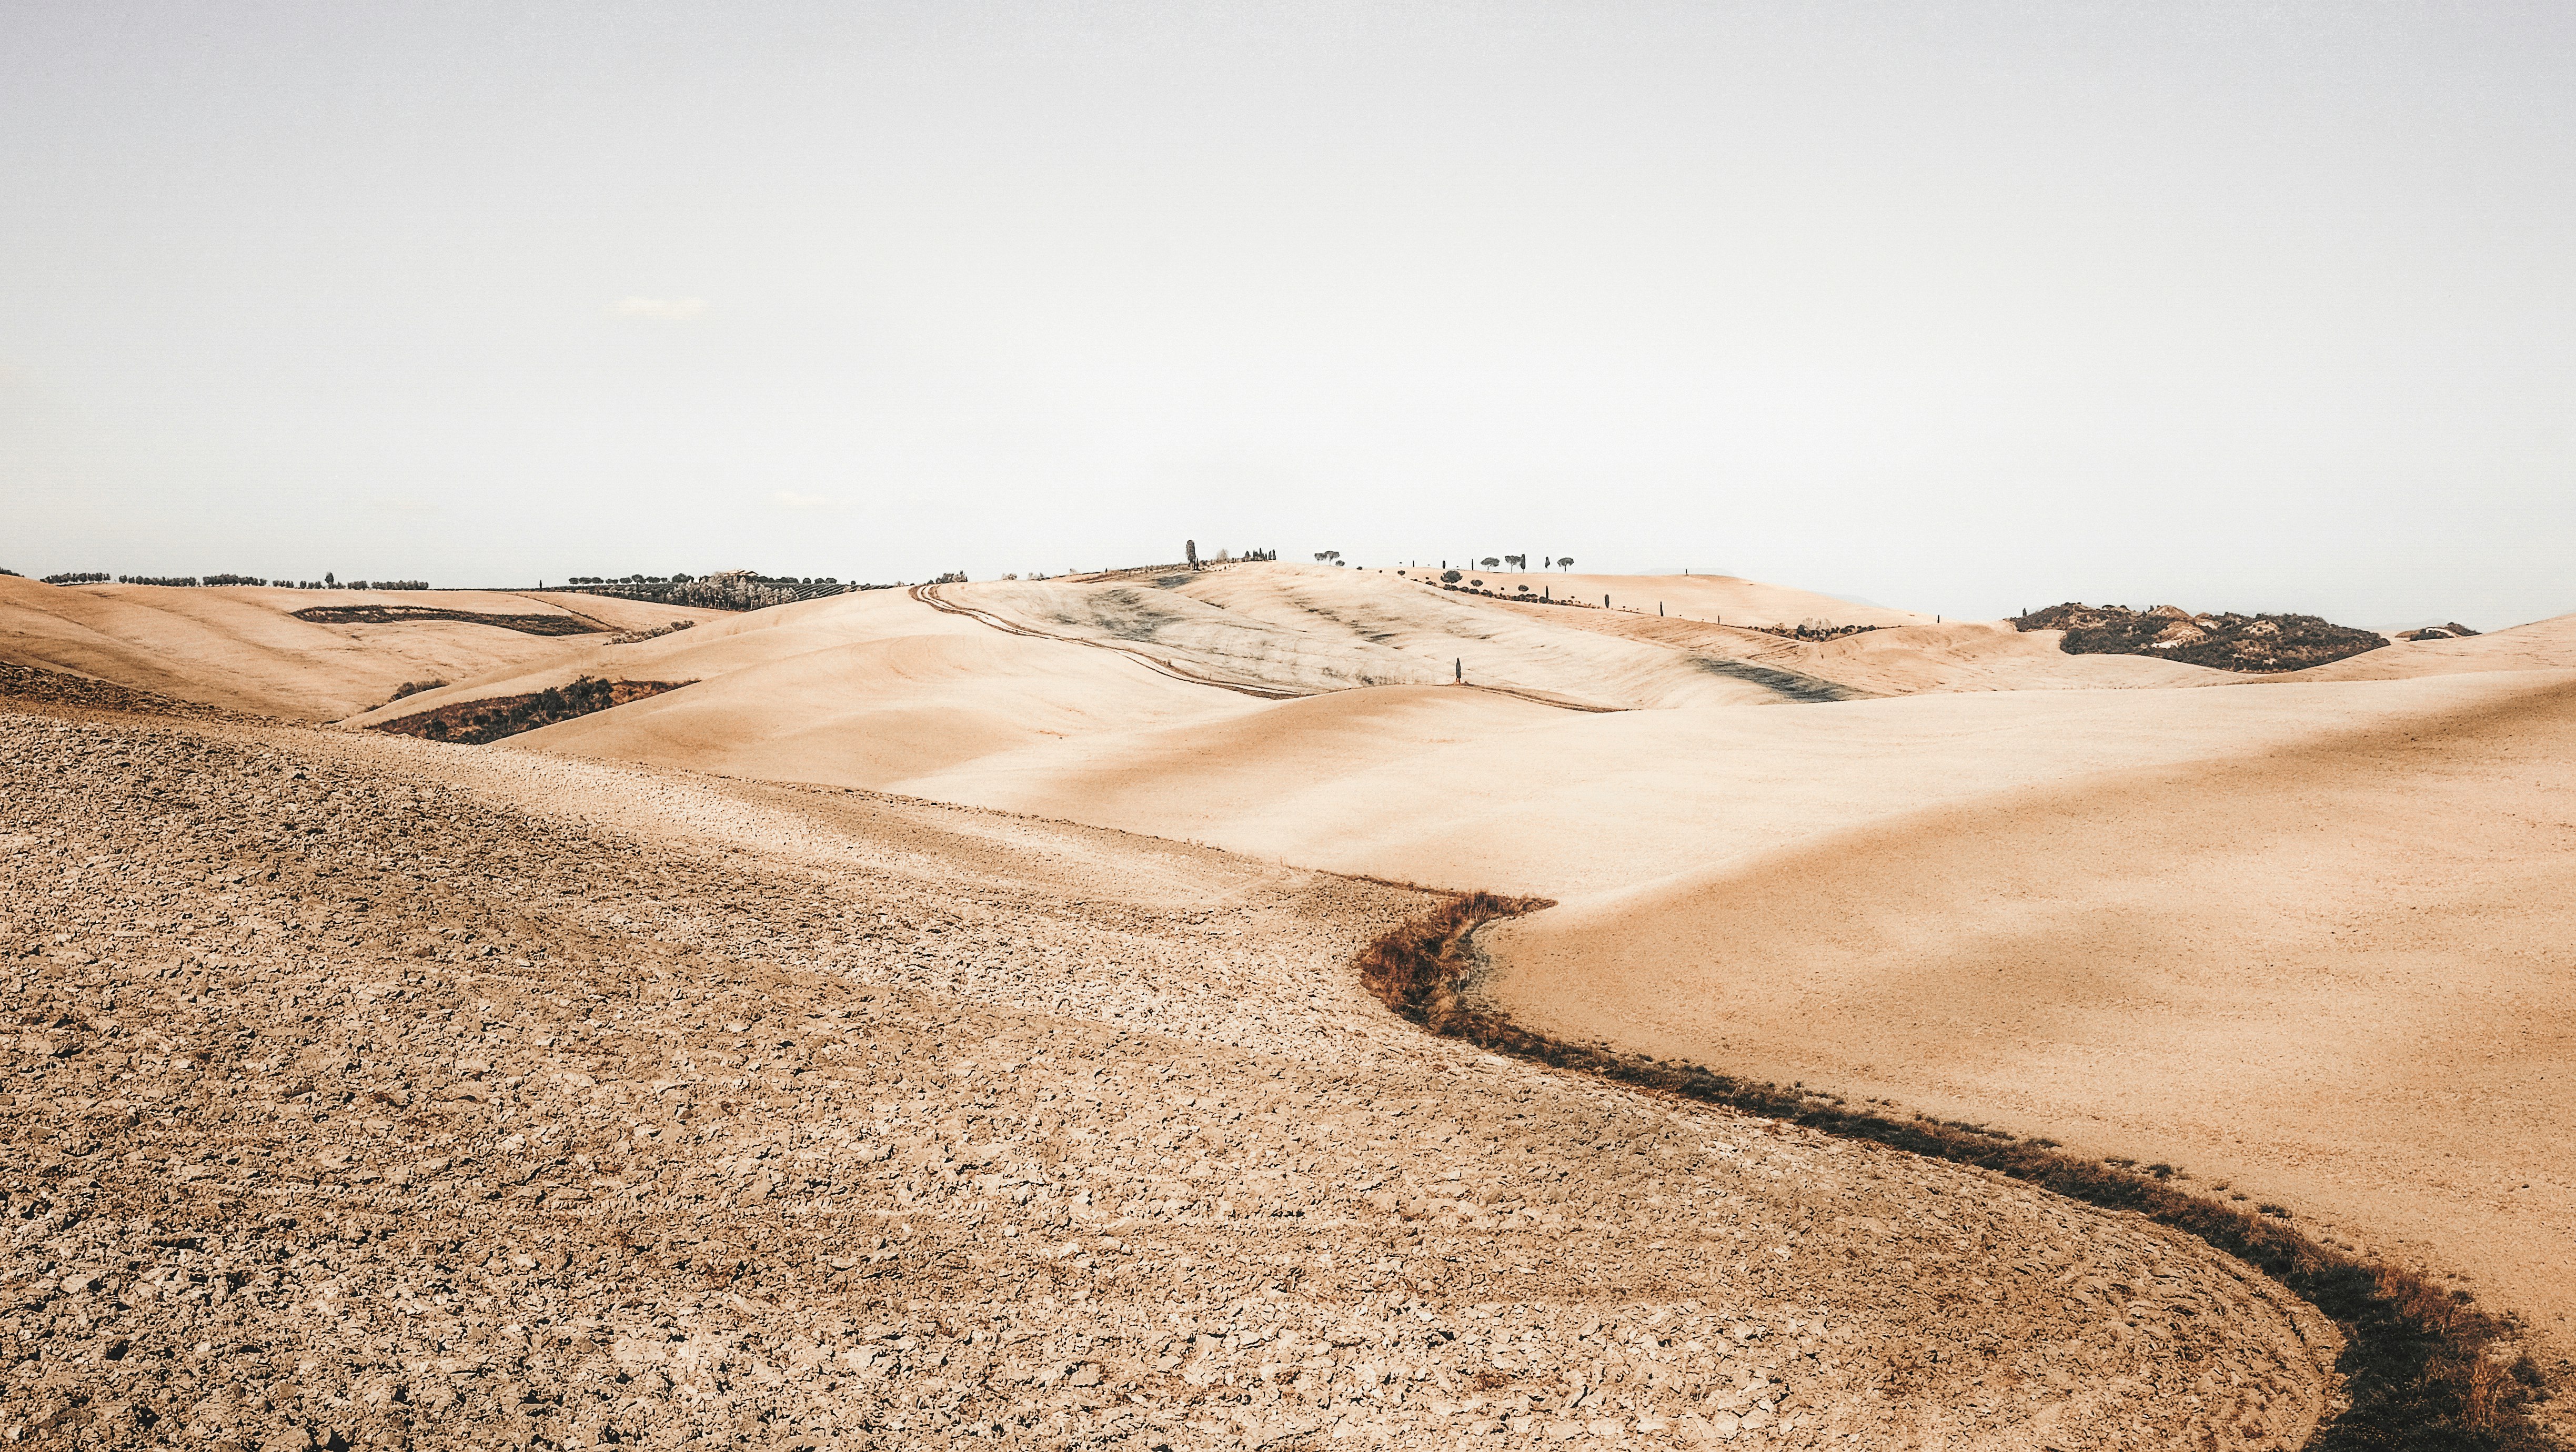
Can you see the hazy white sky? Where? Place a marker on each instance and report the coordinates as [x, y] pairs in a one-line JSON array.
[[1958, 307]]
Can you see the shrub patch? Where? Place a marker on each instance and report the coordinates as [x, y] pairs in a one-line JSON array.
[[2227, 642], [477, 723]]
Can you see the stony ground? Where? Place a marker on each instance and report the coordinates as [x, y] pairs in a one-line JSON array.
[[376, 1093]]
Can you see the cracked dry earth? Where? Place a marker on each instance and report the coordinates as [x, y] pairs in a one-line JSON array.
[[372, 1093]]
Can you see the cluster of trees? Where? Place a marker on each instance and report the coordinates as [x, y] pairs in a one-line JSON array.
[[2226, 641], [327, 582], [754, 576], [515, 714], [1513, 560], [1813, 628], [1190, 552], [723, 590], [1521, 562], [1461, 580]]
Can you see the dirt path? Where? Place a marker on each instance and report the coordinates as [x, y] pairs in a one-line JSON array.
[[372, 1090]]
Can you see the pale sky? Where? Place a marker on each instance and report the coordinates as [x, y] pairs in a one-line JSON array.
[[1956, 307]]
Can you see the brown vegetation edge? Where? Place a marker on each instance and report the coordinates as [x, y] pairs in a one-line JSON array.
[[508, 716], [568, 623], [2417, 1367]]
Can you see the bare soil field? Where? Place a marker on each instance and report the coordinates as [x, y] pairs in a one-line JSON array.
[[2302, 935], [370, 1092]]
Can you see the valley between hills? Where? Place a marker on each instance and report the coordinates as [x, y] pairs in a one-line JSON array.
[[931, 1015]]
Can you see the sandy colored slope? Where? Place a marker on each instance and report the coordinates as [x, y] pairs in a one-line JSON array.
[[720, 643], [1291, 779], [1320, 629], [608, 609], [242, 647], [2340, 973], [877, 713], [1466, 789], [1300, 629], [2541, 645], [722, 1075], [1981, 655], [1324, 629], [1474, 789], [1978, 656], [855, 690], [2308, 937], [882, 690], [1718, 599]]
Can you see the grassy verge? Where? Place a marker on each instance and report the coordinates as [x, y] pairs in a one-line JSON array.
[[2421, 1364]]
